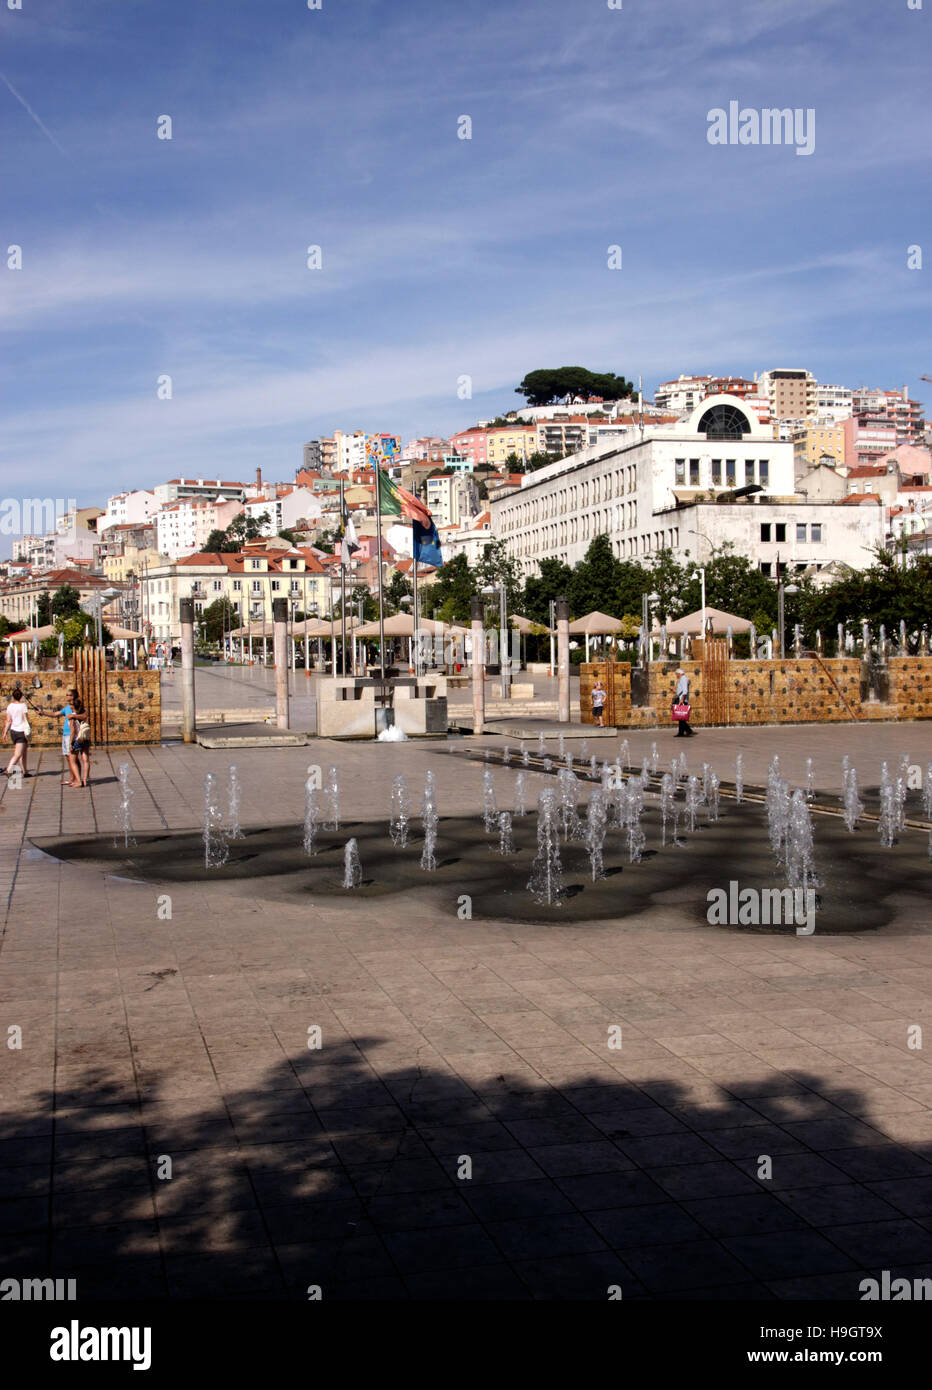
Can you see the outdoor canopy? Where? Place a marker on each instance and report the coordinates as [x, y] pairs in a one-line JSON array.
[[721, 622], [595, 624]]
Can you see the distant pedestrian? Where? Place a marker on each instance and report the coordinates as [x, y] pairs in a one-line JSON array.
[[681, 705], [17, 726], [68, 712], [598, 703], [82, 739]]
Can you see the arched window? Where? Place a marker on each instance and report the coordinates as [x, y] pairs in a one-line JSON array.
[[724, 422]]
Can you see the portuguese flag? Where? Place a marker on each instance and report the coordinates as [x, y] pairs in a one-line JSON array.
[[397, 501]]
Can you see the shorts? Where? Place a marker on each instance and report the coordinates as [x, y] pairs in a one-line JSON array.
[[598, 709], [65, 745], [17, 736], [82, 745]]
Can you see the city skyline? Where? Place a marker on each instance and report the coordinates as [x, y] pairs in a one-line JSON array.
[[441, 257]]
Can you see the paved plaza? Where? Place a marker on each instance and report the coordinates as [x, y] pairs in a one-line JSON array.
[[465, 1129]]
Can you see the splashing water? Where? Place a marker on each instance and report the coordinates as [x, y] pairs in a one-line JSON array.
[[810, 780], [714, 797], [668, 806], [333, 799], [800, 866], [854, 806], [525, 756], [216, 849], [593, 766], [927, 792], [124, 810], [624, 753], [693, 801], [400, 812], [568, 762], [567, 797], [739, 779], [520, 808], [548, 764], [654, 759], [489, 804], [311, 816], [506, 843], [778, 809], [706, 781], [234, 796], [506, 755], [584, 749], [541, 746], [352, 868], [596, 819], [631, 817], [645, 770], [888, 825], [430, 821], [561, 746], [546, 881]]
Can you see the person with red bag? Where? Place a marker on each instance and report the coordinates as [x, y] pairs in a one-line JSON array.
[[681, 707]]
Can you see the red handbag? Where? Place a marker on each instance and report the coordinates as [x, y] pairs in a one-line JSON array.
[[681, 713]]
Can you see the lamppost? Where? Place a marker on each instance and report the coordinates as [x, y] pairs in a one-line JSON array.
[[647, 601], [699, 573], [102, 594], [782, 590], [504, 665]]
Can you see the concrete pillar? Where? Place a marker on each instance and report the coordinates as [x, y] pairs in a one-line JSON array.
[[562, 609], [280, 655], [477, 613], [188, 713]]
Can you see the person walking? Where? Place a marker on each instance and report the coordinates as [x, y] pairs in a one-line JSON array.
[[69, 730], [680, 704], [16, 725], [598, 703], [82, 739]]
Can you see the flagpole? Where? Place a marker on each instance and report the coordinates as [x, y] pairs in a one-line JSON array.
[[417, 650], [378, 560], [342, 580]]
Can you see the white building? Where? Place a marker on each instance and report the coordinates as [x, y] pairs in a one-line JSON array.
[[184, 527], [285, 511], [128, 509], [452, 498], [659, 492], [682, 395], [833, 402], [468, 540]]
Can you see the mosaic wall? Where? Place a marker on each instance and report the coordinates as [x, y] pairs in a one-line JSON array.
[[765, 692], [134, 704]]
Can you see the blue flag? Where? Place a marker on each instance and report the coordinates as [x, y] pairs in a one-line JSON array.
[[427, 544]]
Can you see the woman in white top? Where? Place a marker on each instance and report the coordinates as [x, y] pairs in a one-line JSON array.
[[16, 725]]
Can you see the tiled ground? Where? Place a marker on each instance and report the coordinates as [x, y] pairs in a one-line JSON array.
[[465, 1130]]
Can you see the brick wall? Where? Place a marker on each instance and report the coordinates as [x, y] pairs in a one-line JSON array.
[[767, 692], [134, 704]]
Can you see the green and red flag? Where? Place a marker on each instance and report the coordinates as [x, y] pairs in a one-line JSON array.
[[398, 501]]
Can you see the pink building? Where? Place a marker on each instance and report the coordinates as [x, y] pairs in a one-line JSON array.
[[473, 444]]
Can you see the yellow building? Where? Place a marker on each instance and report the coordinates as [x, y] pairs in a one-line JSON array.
[[249, 580], [511, 439], [118, 568], [817, 440]]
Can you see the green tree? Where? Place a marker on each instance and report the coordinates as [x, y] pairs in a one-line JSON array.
[[549, 384], [65, 602], [217, 618], [551, 582], [399, 587], [498, 567], [447, 598], [214, 543], [43, 610]]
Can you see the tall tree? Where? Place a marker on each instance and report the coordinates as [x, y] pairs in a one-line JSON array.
[[549, 384]]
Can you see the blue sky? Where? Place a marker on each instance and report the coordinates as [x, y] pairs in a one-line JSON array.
[[441, 257]]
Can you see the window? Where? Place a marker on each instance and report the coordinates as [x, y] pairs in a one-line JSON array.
[[237, 585], [748, 471], [764, 478], [800, 530], [680, 473], [780, 528], [257, 586], [693, 472], [276, 585], [816, 532], [217, 586], [717, 472], [765, 531], [731, 476], [765, 568]]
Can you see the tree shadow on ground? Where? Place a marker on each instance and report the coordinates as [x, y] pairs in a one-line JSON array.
[[342, 1173]]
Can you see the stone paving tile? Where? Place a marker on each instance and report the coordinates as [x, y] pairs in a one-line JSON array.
[[340, 1166]]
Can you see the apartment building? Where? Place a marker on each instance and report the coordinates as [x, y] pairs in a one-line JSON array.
[[472, 444], [509, 439], [792, 391], [184, 527], [682, 395], [817, 441]]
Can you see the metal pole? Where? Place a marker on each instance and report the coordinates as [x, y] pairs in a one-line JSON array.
[[563, 660], [553, 638], [780, 618], [280, 656], [188, 713], [477, 613], [504, 654], [378, 561]]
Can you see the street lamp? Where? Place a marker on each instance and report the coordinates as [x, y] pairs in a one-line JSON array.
[[699, 573], [647, 600], [102, 594], [490, 590], [782, 590]]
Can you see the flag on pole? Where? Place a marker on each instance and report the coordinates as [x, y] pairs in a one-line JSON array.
[[398, 501], [346, 534], [426, 544]]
